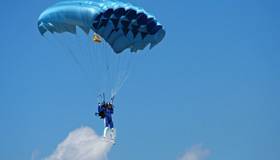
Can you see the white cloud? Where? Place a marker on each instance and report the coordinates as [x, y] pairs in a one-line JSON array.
[[197, 152], [81, 144]]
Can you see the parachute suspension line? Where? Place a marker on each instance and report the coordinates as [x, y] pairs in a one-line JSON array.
[[117, 70], [125, 75], [108, 70], [113, 92], [93, 69], [96, 64], [112, 70], [118, 76], [123, 70], [104, 67], [83, 56], [101, 67], [107, 67], [72, 54], [98, 73], [64, 46], [115, 73], [91, 56]]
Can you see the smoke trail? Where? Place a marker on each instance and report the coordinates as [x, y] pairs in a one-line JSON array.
[[81, 144]]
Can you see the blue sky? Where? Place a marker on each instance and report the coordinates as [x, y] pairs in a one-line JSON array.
[[214, 80]]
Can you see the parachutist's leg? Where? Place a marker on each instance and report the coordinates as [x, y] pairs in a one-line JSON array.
[[105, 133], [111, 124], [112, 130], [106, 129], [113, 134]]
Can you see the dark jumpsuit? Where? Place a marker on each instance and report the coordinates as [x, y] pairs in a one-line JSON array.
[[107, 115]]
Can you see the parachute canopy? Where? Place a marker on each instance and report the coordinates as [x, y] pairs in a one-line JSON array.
[[120, 24]]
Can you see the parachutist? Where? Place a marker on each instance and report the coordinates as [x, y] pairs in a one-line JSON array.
[[119, 25], [105, 111]]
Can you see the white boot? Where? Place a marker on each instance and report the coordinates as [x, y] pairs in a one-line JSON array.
[[105, 133], [113, 134]]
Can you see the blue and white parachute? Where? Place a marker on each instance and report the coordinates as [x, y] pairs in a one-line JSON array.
[[121, 25]]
